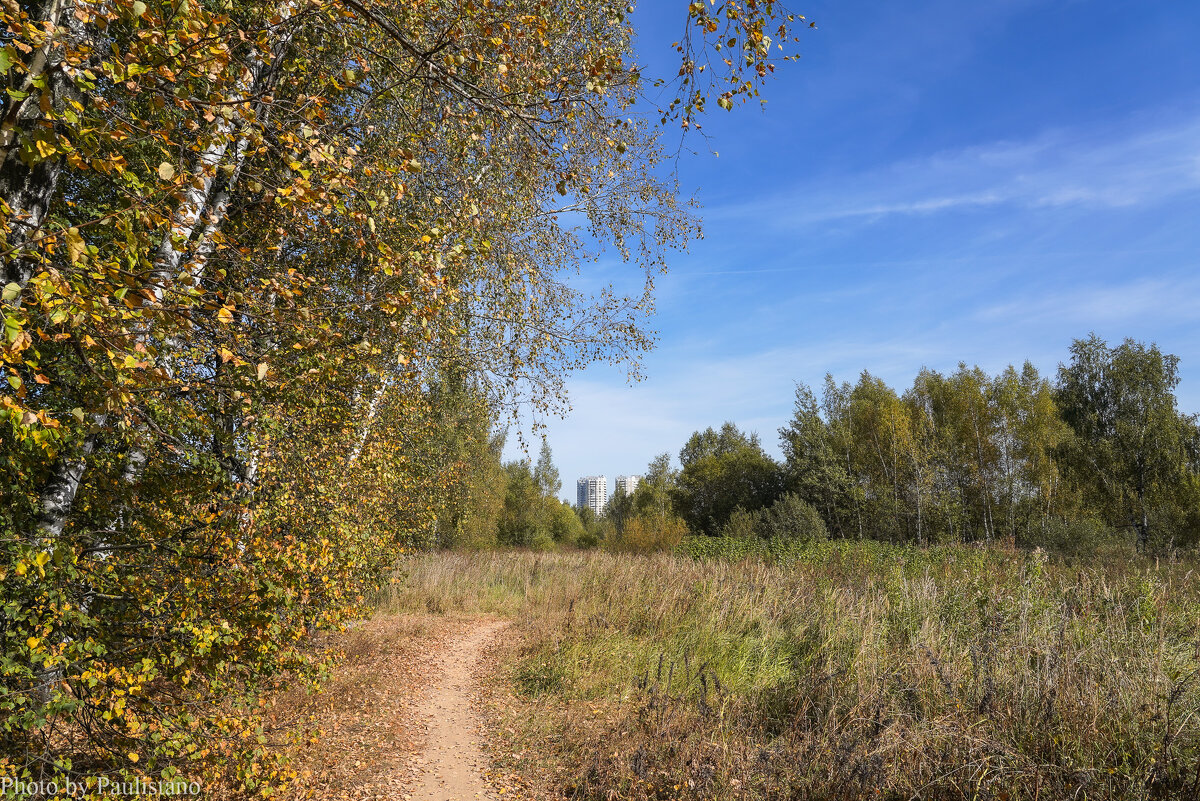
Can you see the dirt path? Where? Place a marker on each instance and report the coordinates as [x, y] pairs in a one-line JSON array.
[[398, 721], [450, 767]]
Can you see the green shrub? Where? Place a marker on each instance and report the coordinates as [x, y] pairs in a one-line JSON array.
[[541, 540], [791, 518], [1073, 536], [704, 548], [649, 533], [565, 526], [741, 525]]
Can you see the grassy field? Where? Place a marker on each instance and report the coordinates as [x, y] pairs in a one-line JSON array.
[[843, 671]]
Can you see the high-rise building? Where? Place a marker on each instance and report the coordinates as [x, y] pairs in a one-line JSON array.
[[628, 483], [592, 492]]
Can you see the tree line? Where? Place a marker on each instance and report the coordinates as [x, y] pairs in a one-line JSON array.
[[267, 265], [1101, 451], [516, 504], [1099, 455]]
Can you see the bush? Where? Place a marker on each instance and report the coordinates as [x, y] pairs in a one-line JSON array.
[[1072, 536], [791, 518], [647, 533], [565, 525], [596, 532], [741, 525], [541, 540], [589, 539]]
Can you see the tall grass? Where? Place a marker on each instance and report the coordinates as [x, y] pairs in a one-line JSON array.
[[848, 671]]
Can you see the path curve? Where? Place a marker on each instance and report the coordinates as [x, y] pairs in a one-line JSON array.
[[450, 766]]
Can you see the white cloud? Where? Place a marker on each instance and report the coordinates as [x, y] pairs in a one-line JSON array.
[[1163, 299], [1062, 168]]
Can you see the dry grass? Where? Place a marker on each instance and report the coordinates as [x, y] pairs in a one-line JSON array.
[[857, 671]]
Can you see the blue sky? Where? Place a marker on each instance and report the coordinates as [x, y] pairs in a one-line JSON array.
[[931, 183]]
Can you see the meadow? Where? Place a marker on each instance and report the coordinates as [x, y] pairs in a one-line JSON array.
[[839, 670]]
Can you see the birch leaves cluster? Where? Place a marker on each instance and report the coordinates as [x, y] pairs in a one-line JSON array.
[[246, 246]]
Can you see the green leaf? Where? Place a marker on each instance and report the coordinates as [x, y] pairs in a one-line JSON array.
[[139, 8], [11, 292]]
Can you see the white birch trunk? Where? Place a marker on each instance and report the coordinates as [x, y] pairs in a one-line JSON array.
[[58, 494], [56, 497], [27, 190], [365, 428]]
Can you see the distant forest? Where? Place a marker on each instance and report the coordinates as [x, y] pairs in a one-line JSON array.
[[1098, 456]]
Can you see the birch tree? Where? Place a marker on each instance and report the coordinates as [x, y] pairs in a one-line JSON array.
[[1120, 402], [242, 241]]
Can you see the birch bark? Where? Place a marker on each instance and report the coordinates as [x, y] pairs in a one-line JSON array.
[[58, 496], [27, 189]]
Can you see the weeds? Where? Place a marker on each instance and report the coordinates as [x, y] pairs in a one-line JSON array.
[[847, 671]]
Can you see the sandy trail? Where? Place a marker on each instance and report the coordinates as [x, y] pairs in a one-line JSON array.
[[451, 765]]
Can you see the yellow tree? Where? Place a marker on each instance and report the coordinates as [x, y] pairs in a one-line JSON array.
[[241, 241]]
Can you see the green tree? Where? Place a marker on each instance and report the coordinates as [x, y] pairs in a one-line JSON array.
[[882, 441], [1131, 446], [835, 405], [741, 524], [926, 460], [522, 522], [970, 425], [1033, 434], [723, 470], [545, 474], [813, 469], [620, 508], [564, 525], [243, 242], [475, 498], [597, 530], [792, 518], [654, 492]]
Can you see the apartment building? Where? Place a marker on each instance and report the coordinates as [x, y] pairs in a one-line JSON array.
[[627, 483], [592, 492]]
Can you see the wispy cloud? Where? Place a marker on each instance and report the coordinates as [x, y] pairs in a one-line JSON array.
[[1142, 163], [615, 429], [894, 210], [1165, 299]]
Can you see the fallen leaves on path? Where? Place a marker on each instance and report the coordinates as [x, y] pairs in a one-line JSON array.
[[362, 737]]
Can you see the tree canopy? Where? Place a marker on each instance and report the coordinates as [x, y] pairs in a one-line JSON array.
[[1101, 453], [1130, 437], [722, 471]]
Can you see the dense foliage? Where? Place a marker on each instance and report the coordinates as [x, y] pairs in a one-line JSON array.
[[1101, 455], [271, 271]]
